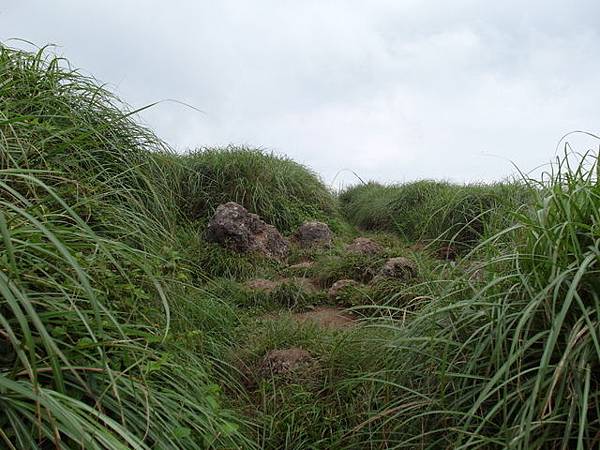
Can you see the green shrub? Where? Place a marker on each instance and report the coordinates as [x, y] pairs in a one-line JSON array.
[[430, 210], [283, 192], [86, 358], [510, 362]]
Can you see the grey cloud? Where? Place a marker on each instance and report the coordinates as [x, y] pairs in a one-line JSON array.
[[393, 90]]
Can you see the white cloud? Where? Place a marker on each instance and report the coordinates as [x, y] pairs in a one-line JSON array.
[[393, 90]]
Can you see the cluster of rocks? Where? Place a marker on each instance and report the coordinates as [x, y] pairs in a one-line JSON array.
[[234, 227]]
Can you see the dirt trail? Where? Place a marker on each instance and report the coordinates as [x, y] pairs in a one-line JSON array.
[[327, 317]]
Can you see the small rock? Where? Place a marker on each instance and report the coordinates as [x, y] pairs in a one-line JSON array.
[[340, 286], [400, 267], [314, 234], [285, 361], [261, 284], [364, 246], [234, 227]]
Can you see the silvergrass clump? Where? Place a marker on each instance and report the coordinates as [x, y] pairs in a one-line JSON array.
[[115, 333], [433, 210], [283, 192], [86, 359], [511, 363]]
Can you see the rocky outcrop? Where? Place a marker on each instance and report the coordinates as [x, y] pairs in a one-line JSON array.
[[314, 234], [401, 268], [234, 227], [364, 246]]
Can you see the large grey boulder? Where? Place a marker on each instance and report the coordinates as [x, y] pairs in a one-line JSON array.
[[234, 227], [314, 234]]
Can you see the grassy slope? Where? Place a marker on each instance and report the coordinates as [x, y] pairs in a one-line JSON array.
[[95, 300], [431, 210], [284, 192], [121, 327]]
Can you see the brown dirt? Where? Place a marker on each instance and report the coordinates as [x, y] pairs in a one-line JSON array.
[[303, 265], [326, 317]]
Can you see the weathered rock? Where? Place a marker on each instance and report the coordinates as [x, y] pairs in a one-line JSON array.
[[401, 268], [234, 227], [279, 362], [340, 286], [261, 284], [314, 234], [364, 246]]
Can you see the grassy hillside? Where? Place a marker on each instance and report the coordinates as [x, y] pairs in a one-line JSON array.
[[433, 210], [281, 191], [122, 327], [94, 307]]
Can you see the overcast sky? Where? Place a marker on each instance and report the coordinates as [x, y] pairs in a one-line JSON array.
[[393, 90]]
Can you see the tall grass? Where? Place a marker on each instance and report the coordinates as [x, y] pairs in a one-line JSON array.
[[512, 361], [283, 192], [433, 210], [115, 333], [86, 355]]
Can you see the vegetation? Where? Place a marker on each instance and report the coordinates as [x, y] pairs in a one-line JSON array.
[[91, 309], [433, 210], [510, 362], [121, 327], [281, 191]]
